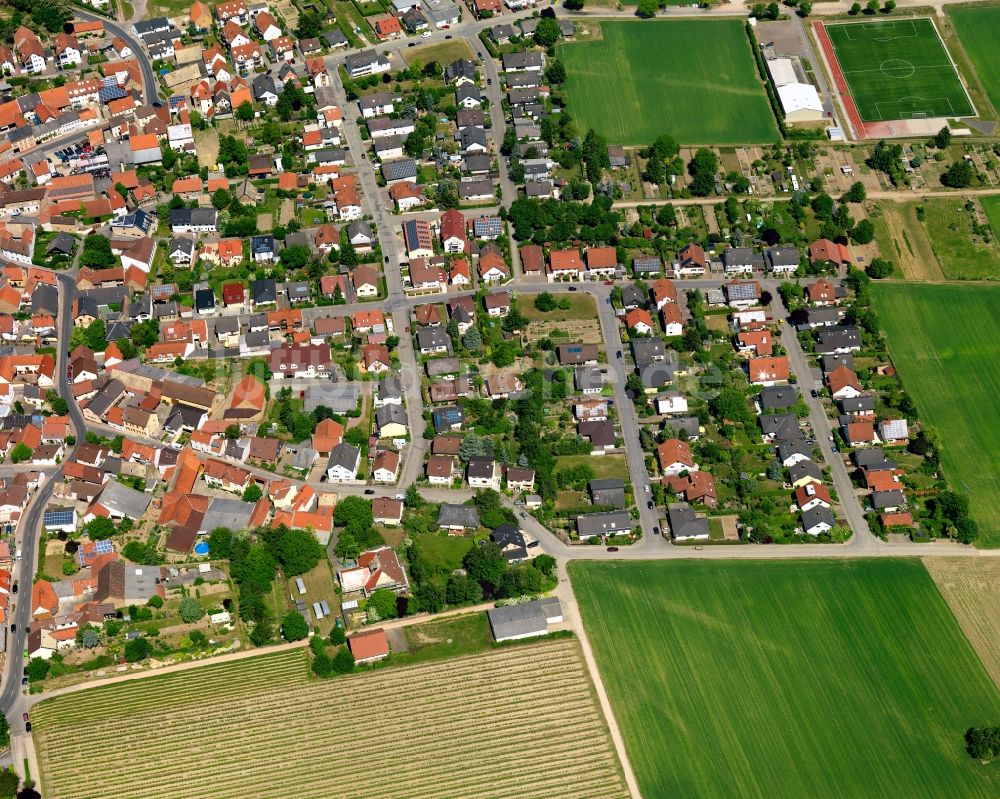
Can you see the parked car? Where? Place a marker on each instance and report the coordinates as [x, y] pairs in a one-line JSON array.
[[656, 531], [13, 629], [425, 35], [612, 549], [619, 355], [14, 588], [369, 491], [27, 726], [572, 288], [649, 504]]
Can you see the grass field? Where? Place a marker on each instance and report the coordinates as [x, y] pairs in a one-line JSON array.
[[516, 722], [971, 587], [768, 679], [444, 53], [693, 79], [903, 240], [977, 28], [603, 466], [963, 256], [898, 70], [945, 340], [581, 306]]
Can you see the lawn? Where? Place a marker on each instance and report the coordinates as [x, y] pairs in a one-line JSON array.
[[945, 341], [977, 28], [443, 53], [518, 721], [581, 306], [898, 70], [693, 79], [839, 678], [603, 465], [445, 638], [963, 255], [991, 207]]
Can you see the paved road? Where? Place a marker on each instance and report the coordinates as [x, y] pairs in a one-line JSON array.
[[150, 84], [863, 540], [29, 529]]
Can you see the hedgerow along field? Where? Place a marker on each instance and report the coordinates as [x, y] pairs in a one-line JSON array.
[[978, 28], [898, 70], [826, 678], [519, 722], [945, 342], [693, 79]]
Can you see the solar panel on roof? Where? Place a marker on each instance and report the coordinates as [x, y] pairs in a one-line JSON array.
[[58, 517]]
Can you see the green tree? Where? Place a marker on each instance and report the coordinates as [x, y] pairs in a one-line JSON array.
[[295, 257], [805, 8], [337, 635], [546, 564], [155, 601], [252, 493], [703, 167], [545, 302], [296, 551], [90, 638], [555, 73], [20, 453], [99, 528], [294, 626], [647, 9], [889, 7], [190, 609], [310, 25], [546, 32], [943, 138], [37, 669], [137, 649], [220, 542], [959, 175], [97, 252], [343, 661], [574, 5], [354, 514], [244, 111], [855, 194], [872, 6], [486, 565], [472, 340], [384, 602], [504, 354], [855, 9], [879, 268], [95, 336], [863, 232], [221, 198]]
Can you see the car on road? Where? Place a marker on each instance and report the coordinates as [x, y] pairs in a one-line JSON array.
[[572, 288], [524, 515], [647, 488], [14, 588], [425, 35], [656, 531], [387, 259], [479, 54], [619, 355], [364, 157], [369, 491], [612, 549], [13, 629], [412, 44], [489, 81], [609, 282], [815, 393], [698, 548], [449, 36], [24, 716], [24, 680], [831, 439], [27, 726], [649, 504]]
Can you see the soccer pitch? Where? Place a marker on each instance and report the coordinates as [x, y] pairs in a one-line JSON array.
[[694, 79], [899, 70]]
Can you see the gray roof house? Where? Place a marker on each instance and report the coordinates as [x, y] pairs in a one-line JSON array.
[[597, 524], [838, 340], [817, 520], [780, 427], [609, 492], [122, 501], [773, 398], [685, 524], [458, 517], [513, 622]]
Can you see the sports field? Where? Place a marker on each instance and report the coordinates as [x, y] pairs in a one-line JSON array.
[[518, 722], [898, 70], [833, 678], [978, 28], [693, 79], [945, 342]]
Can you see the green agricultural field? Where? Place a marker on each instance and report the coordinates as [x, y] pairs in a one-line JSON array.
[[846, 678], [991, 207], [945, 342], [898, 70], [693, 79], [978, 28]]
